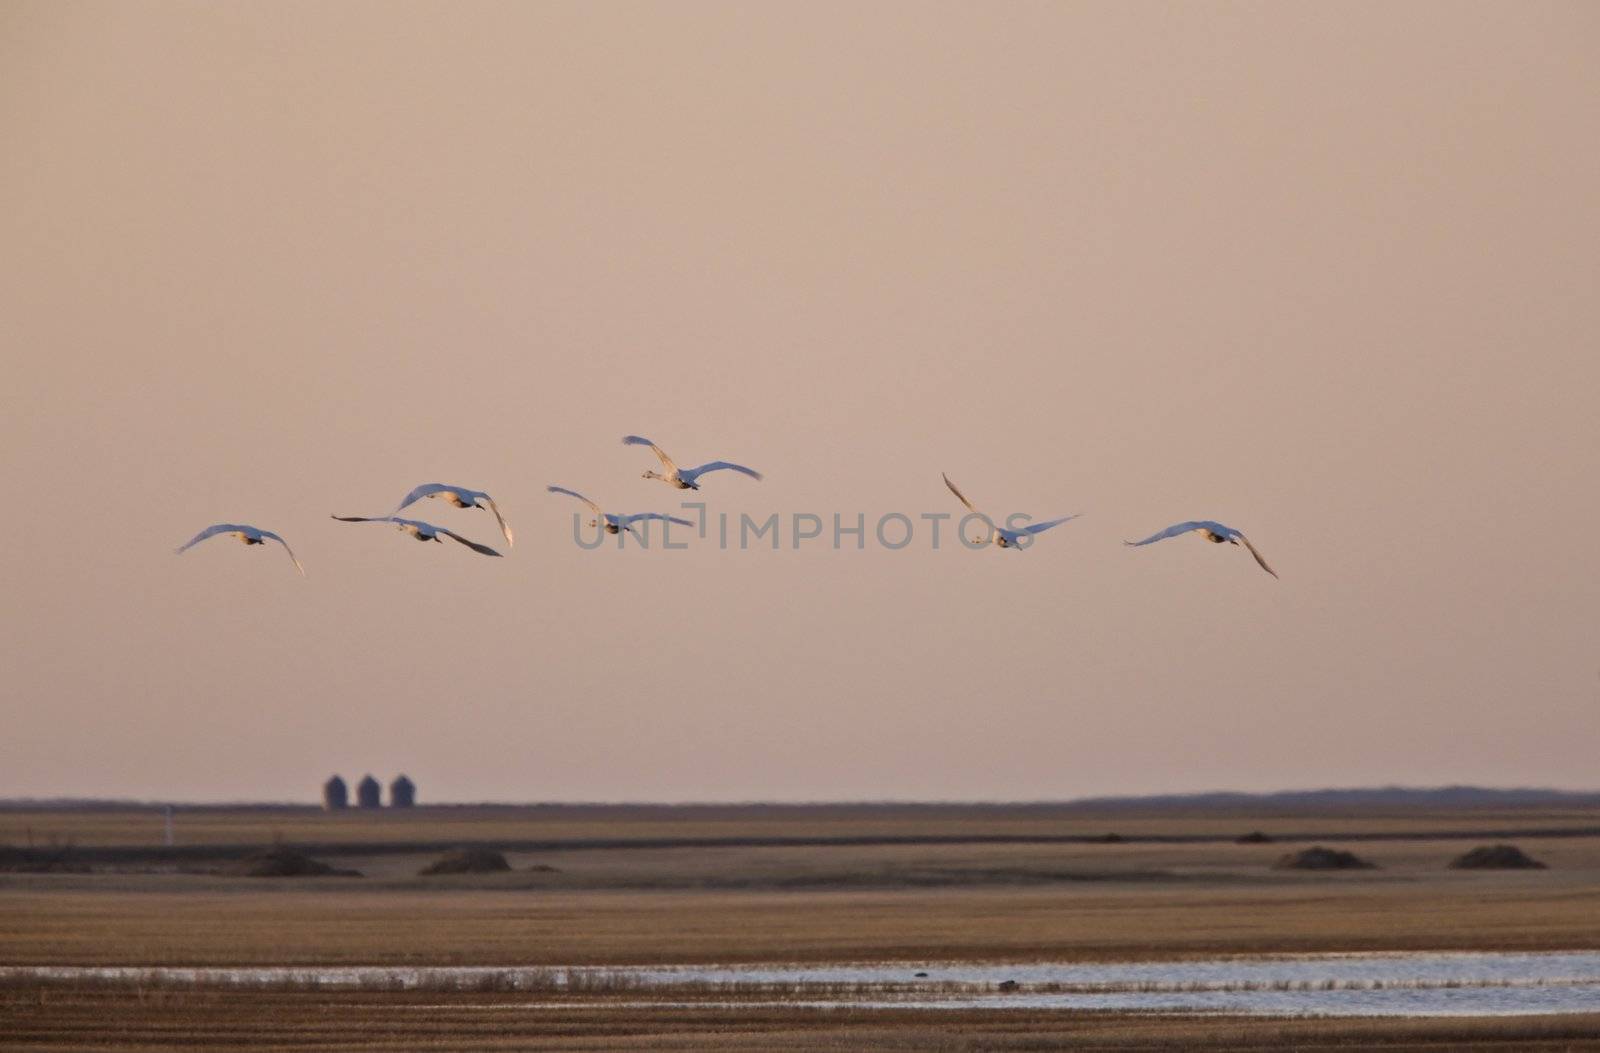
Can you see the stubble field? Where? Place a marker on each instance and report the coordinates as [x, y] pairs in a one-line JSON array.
[[625, 886]]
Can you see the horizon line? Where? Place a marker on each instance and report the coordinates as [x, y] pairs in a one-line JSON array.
[[13, 803]]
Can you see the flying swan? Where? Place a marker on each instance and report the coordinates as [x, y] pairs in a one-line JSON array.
[[1000, 535], [615, 524], [684, 478], [248, 534], [420, 530], [1213, 532], [459, 496]]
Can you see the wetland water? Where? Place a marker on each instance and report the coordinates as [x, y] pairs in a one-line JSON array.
[[1398, 984]]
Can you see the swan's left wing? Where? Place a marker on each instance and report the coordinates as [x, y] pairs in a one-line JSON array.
[[717, 466], [286, 548], [1039, 528], [1256, 554], [505, 528], [473, 545]]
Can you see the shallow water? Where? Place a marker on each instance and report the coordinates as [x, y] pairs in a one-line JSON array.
[[1400, 984]]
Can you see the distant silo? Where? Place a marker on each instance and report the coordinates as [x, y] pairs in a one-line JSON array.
[[335, 794], [369, 794], [402, 793]]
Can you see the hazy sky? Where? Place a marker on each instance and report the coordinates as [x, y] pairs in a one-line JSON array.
[[1324, 272]]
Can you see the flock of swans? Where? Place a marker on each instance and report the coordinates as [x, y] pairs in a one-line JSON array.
[[682, 479]]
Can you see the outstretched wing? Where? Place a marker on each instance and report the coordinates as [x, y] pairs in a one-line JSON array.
[[657, 515], [639, 440], [573, 493], [212, 531], [419, 493], [473, 545], [286, 548], [505, 528], [961, 496], [1256, 554], [1174, 531], [1039, 528], [366, 519], [717, 466]]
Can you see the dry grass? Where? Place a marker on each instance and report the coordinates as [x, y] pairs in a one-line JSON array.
[[898, 901], [815, 903], [56, 1017], [627, 904], [254, 826], [349, 926]]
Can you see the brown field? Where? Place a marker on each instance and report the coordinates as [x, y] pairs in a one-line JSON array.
[[63, 1018], [555, 823], [869, 884]]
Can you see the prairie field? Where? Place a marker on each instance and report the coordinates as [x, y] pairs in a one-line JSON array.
[[620, 887], [558, 823], [145, 1021]]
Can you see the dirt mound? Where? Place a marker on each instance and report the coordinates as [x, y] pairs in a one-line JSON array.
[[1319, 858], [467, 861], [1496, 857], [285, 862], [1254, 837]]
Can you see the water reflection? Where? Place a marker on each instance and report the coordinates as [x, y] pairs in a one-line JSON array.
[[1399, 984]]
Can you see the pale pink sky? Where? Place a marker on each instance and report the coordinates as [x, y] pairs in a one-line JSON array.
[[1324, 272]]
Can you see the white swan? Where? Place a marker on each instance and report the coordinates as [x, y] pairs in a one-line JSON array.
[[999, 535], [685, 478], [420, 530], [461, 497], [248, 534], [1213, 532], [615, 524]]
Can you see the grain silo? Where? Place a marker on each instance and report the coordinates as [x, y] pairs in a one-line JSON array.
[[402, 793], [335, 794]]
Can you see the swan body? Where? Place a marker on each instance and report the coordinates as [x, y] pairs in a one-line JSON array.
[[420, 530], [685, 478], [616, 524], [999, 535], [1214, 532], [248, 534], [461, 497]]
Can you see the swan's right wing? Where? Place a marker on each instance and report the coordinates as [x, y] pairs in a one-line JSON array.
[[1172, 531], [639, 440], [419, 493], [211, 531], [658, 515], [573, 493], [961, 496]]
